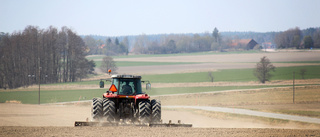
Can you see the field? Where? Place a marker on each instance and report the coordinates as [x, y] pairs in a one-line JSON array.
[[182, 79]]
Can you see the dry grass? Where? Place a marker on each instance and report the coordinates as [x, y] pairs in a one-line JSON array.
[[272, 96], [307, 99], [276, 100]]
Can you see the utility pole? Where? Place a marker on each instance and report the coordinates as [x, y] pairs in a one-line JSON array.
[[39, 80], [293, 87]]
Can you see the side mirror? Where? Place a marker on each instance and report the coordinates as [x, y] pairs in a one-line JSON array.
[[148, 86], [101, 84]]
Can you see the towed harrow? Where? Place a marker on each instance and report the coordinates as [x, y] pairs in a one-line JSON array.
[[105, 124]]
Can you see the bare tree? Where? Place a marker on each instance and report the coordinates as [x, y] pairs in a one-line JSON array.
[[108, 63], [303, 72], [263, 68], [211, 76], [289, 39], [42, 55]]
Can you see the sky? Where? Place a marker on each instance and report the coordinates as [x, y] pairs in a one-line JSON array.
[[136, 17]]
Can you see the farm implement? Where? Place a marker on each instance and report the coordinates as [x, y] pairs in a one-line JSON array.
[[124, 104]]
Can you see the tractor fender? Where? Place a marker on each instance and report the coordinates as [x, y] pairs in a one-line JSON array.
[[141, 96]]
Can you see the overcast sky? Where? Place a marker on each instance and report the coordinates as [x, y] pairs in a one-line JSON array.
[[134, 17]]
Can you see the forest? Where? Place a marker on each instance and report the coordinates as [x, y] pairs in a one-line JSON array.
[[42, 55]]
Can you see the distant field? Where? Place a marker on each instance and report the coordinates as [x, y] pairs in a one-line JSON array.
[[56, 93], [227, 75], [48, 95], [54, 96], [234, 75], [31, 97], [93, 57], [141, 63]]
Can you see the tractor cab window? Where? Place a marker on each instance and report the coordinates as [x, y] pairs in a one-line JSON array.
[[128, 86]]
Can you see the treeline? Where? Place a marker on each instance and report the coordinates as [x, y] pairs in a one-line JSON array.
[[109, 47], [155, 44], [299, 39], [209, 41], [42, 55], [178, 44]]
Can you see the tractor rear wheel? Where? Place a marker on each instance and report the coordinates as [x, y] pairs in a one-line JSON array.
[[156, 111], [96, 108], [109, 109], [144, 111]]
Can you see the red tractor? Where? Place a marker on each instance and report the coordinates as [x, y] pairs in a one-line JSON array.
[[125, 101]]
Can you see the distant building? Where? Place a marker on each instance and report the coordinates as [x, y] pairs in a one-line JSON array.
[[268, 45], [244, 43], [102, 46]]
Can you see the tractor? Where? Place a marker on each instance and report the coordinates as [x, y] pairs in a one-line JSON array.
[[125, 101]]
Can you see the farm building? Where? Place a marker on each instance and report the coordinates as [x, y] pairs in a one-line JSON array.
[[244, 43]]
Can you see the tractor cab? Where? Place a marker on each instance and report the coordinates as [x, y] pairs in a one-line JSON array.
[[126, 84]]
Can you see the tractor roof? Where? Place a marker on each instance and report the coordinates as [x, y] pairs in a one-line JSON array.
[[125, 76]]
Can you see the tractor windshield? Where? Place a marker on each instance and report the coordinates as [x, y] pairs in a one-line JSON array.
[[127, 86]]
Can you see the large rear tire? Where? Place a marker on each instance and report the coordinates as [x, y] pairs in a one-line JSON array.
[[144, 111], [156, 111], [109, 109], [96, 109]]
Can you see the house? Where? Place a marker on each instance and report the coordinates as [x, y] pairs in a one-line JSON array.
[[243, 43]]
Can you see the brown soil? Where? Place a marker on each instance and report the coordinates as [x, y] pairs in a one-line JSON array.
[[66, 115], [58, 120], [154, 132]]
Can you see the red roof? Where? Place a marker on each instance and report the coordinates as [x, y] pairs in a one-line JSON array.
[[101, 47], [240, 42]]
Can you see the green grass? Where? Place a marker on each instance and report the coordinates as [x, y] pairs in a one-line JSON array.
[[31, 97], [51, 96], [286, 73], [228, 75]]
